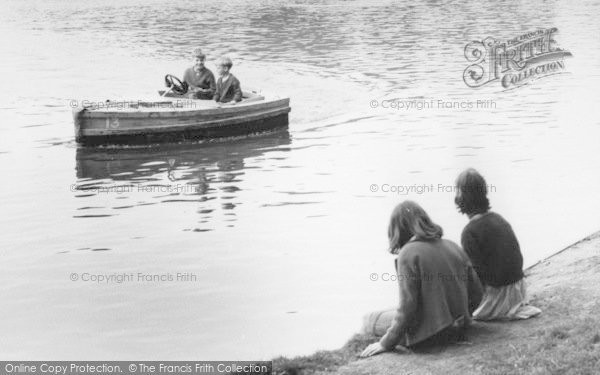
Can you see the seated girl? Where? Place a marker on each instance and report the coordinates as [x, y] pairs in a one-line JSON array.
[[494, 250], [438, 286]]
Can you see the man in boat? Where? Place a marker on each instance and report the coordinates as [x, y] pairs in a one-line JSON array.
[[228, 87], [200, 80]]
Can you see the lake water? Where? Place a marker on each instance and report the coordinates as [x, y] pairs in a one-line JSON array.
[[281, 232]]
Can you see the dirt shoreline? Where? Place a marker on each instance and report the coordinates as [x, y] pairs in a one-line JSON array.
[[564, 339]]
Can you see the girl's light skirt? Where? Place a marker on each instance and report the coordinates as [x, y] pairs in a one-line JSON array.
[[505, 303]]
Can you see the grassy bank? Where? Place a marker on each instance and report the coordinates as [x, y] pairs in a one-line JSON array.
[[565, 339]]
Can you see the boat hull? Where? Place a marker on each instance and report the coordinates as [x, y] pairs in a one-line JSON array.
[[170, 123]]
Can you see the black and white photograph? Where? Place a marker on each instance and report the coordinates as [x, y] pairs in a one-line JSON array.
[[300, 187]]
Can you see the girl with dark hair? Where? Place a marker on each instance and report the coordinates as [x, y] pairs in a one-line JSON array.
[[439, 288], [494, 250]]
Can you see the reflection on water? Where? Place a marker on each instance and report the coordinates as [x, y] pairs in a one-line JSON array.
[[167, 173]]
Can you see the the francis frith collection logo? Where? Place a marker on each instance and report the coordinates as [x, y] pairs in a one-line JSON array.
[[516, 61]]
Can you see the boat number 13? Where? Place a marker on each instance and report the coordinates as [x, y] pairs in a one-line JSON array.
[[112, 123]]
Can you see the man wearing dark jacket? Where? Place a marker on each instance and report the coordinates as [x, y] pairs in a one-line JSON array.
[[228, 87], [200, 80]]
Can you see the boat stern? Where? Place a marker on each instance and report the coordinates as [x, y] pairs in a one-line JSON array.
[[77, 121]]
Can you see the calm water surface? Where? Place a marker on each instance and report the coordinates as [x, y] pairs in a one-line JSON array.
[[283, 231]]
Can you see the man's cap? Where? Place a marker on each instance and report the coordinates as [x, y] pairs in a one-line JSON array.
[[197, 52]]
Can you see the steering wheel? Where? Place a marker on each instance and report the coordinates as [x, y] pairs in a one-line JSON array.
[[175, 84]]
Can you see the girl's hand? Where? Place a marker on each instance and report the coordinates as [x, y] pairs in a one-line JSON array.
[[373, 349]]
